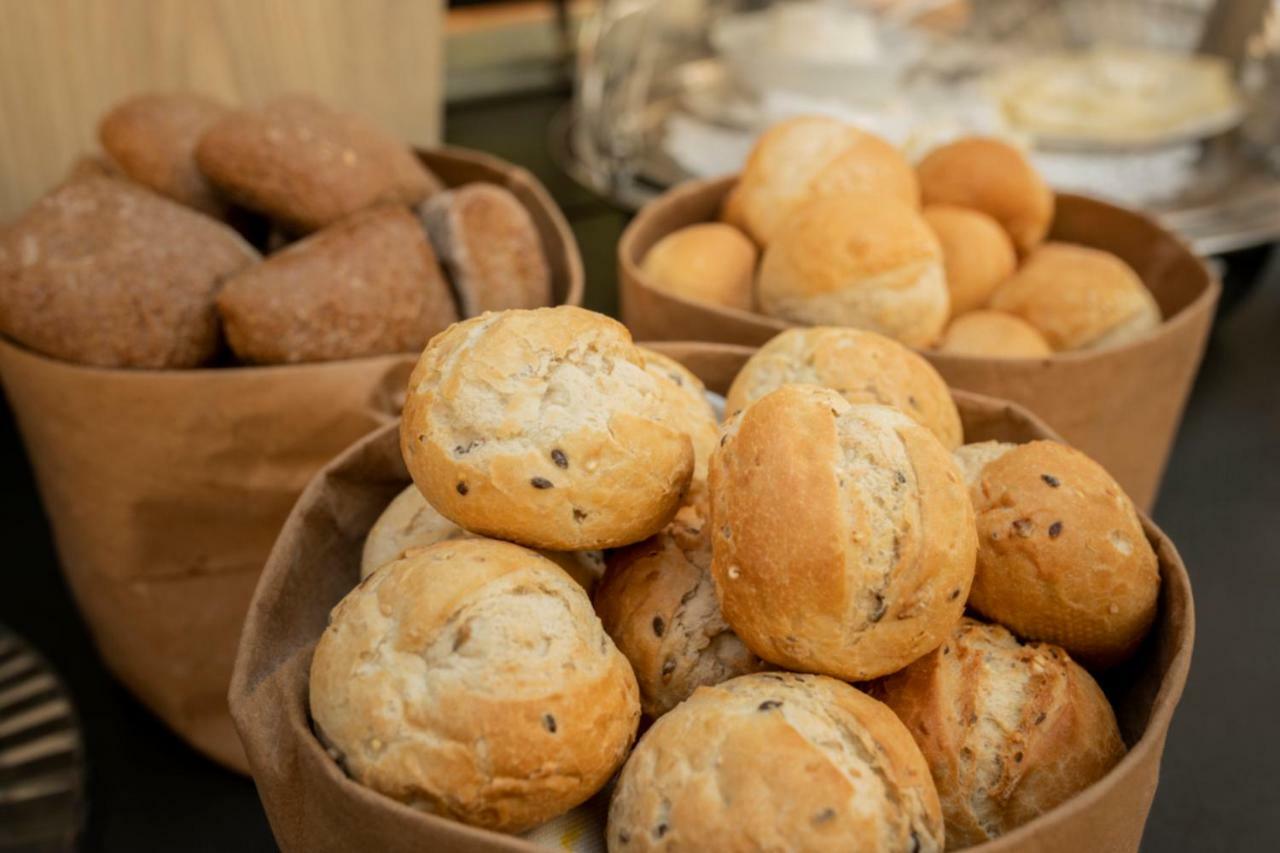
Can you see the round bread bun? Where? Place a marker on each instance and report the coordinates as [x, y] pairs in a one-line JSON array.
[[857, 260], [1080, 298], [1009, 730], [993, 177], [977, 254], [994, 334], [708, 262], [776, 761], [809, 157], [863, 367], [543, 427], [1062, 556], [842, 535], [472, 680], [658, 603]]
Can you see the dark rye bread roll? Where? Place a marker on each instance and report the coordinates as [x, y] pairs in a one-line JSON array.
[[308, 165], [103, 272]]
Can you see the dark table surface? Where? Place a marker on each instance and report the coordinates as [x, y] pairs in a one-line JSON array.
[[1220, 784]]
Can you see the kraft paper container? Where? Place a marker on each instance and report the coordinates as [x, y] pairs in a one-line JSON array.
[[314, 807], [166, 488], [1121, 405]]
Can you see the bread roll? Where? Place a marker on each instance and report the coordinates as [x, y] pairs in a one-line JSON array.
[[103, 272], [693, 411], [993, 177], [972, 458], [1009, 730], [977, 254], [843, 536], [994, 334], [543, 427], [491, 248], [862, 366], [1080, 298], [1062, 556], [472, 680], [857, 260], [708, 262], [776, 761], [307, 165]]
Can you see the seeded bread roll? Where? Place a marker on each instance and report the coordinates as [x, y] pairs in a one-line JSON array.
[[977, 254], [776, 761], [1062, 556], [491, 248], [1080, 298], [693, 413], [843, 536], [543, 427], [1010, 730], [709, 262], [103, 272], [472, 680], [658, 603], [862, 367], [153, 137], [307, 165], [994, 334], [857, 260], [992, 177]]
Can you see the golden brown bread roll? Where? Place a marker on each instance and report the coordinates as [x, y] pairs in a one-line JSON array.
[[708, 262], [994, 334], [977, 254]]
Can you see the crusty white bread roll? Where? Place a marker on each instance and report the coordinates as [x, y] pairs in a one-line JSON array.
[[977, 254], [994, 334], [991, 176], [1009, 729], [472, 680], [1079, 298], [863, 367], [776, 761], [709, 262], [857, 260], [1062, 556], [543, 427], [842, 535]]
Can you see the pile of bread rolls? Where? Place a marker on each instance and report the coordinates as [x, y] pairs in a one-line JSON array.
[[293, 231], [829, 224], [845, 628]]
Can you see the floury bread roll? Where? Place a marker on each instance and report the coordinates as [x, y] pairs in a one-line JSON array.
[[709, 262], [545, 428], [862, 366], [842, 535], [472, 680], [1080, 298], [994, 334], [977, 254], [776, 761], [857, 260], [1010, 730], [1062, 556]]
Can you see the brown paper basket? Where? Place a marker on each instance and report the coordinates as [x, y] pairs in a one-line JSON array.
[[1120, 405], [314, 807], [165, 489]]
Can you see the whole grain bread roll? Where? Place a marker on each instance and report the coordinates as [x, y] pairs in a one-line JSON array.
[[993, 177], [842, 535], [491, 248], [366, 285], [1062, 556], [994, 334], [152, 138], [102, 272], [694, 414], [1079, 298], [707, 262], [1009, 729], [543, 427], [977, 254], [857, 260], [863, 367], [307, 165], [472, 680], [776, 761]]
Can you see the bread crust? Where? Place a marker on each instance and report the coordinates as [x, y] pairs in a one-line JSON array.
[[994, 334], [710, 261], [977, 254]]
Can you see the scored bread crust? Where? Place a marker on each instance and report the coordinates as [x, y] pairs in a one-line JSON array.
[[994, 334], [1009, 730], [472, 680], [776, 761], [843, 536], [977, 254], [543, 427]]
